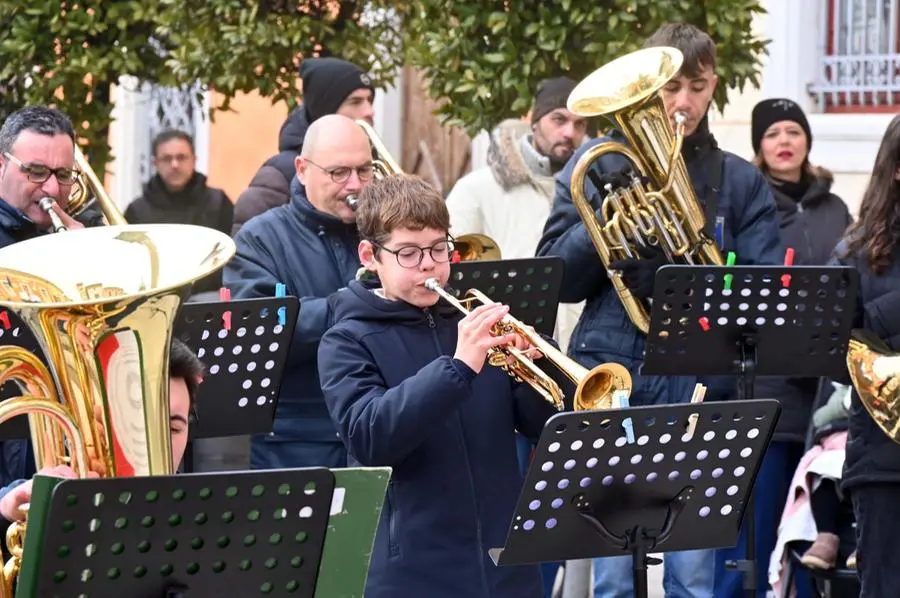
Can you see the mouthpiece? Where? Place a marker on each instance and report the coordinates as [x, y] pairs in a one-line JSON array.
[[432, 284], [680, 118], [352, 201], [46, 204]]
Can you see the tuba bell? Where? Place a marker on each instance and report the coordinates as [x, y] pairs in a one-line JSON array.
[[470, 247], [875, 373], [595, 388], [101, 303], [664, 213]]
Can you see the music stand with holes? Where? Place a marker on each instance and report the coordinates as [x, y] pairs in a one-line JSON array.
[[589, 493], [529, 286], [244, 355], [243, 533], [772, 321]]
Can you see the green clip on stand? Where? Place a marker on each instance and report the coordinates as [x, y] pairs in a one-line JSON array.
[[305, 533]]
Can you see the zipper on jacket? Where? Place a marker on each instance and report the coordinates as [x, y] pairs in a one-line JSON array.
[[431, 324]]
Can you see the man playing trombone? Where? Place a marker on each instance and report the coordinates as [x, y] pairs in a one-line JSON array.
[[737, 201]]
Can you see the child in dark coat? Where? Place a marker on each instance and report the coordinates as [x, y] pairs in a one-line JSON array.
[[405, 382]]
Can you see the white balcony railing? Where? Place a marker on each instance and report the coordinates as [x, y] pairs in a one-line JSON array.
[[859, 62]]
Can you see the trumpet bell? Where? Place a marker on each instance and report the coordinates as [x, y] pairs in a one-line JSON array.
[[477, 247], [596, 388], [625, 81], [875, 373]]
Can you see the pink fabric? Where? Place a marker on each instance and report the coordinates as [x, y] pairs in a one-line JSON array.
[[797, 506]]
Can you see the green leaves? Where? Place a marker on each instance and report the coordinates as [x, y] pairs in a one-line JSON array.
[[68, 53], [509, 47]]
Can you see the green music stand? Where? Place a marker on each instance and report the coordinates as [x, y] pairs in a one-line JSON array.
[[291, 532]]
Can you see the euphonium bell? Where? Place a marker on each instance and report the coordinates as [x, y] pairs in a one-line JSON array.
[[595, 388], [875, 372], [101, 303], [666, 213]]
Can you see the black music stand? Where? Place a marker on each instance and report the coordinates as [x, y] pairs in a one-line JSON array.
[[529, 286], [764, 325], [231, 534], [244, 363], [589, 493]]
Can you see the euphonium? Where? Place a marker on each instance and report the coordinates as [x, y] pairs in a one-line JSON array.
[[470, 247], [101, 303], [875, 373], [595, 388], [665, 213]]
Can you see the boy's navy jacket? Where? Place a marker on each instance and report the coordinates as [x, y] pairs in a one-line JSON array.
[[604, 332], [314, 254], [400, 399], [872, 457]]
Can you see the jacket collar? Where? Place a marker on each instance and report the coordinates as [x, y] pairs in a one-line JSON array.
[[14, 219], [315, 219]]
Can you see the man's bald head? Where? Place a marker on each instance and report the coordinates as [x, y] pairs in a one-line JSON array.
[[332, 132], [336, 161]]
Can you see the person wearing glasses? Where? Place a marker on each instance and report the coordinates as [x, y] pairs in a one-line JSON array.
[[406, 381], [37, 160], [310, 246], [178, 194]]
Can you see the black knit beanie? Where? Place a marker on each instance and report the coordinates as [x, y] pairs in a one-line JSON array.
[[327, 82], [551, 94], [768, 112]]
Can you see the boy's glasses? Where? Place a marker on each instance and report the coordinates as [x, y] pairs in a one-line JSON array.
[[38, 173], [412, 256], [341, 174]]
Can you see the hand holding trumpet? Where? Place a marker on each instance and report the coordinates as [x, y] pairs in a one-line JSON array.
[[476, 337]]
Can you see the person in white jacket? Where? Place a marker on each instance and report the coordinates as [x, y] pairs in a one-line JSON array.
[[509, 200]]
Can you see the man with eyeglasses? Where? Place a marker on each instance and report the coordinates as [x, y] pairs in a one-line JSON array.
[[309, 245], [37, 160]]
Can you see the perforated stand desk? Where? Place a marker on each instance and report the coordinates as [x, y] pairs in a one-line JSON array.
[[764, 325], [230, 534], [590, 494], [529, 286]]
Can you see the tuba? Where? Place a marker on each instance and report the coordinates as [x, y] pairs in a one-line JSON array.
[[875, 373], [664, 213], [470, 247], [101, 303], [595, 388]]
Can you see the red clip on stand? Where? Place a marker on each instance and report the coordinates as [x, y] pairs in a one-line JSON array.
[[4, 320], [704, 323], [788, 261], [225, 295]]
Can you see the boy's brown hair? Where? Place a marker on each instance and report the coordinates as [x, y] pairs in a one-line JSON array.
[[697, 46], [399, 201]]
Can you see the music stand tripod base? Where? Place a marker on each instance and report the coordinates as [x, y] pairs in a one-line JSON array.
[[589, 493]]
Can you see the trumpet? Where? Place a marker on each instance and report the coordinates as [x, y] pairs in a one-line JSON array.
[[595, 388]]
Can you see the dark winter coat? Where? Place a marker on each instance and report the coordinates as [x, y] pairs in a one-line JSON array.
[[314, 254], [399, 399], [812, 221], [604, 332]]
